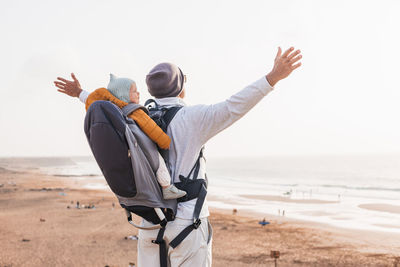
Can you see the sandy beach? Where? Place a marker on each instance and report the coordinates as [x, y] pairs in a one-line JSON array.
[[41, 226], [288, 199], [381, 207]]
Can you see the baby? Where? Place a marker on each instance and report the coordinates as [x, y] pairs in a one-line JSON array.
[[122, 91]]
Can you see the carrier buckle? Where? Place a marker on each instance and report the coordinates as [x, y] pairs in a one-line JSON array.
[[158, 242], [196, 223]]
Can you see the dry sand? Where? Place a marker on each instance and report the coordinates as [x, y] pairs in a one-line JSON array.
[[37, 229]]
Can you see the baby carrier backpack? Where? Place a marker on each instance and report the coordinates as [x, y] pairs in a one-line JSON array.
[[129, 160]]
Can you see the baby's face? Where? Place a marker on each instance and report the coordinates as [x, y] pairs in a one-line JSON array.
[[134, 94]]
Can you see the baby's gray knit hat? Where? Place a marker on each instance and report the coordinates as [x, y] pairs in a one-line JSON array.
[[120, 87], [165, 80]]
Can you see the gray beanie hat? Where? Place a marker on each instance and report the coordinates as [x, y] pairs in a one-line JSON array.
[[165, 80], [120, 87]]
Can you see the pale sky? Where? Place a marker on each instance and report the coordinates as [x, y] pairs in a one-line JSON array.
[[344, 99]]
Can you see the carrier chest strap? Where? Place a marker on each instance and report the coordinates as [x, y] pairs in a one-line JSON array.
[[196, 219]]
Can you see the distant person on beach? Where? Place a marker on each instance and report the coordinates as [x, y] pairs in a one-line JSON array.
[[189, 130]]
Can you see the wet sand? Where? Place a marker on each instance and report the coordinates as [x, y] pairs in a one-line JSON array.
[[37, 229], [288, 199], [381, 207]]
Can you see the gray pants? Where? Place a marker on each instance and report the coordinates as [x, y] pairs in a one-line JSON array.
[[195, 249]]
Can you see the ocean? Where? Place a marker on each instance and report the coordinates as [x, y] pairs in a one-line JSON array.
[[356, 192]]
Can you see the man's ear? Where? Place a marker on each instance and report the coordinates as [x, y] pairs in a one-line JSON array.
[[182, 94]]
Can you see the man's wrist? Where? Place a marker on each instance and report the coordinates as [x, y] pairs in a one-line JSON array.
[[272, 80], [79, 91]]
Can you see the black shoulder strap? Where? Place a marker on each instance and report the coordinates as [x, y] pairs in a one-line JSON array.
[[169, 115], [195, 168], [167, 118], [165, 114]]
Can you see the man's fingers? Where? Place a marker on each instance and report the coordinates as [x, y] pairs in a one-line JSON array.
[[62, 79], [60, 86], [287, 52], [62, 91], [60, 83], [292, 55], [294, 60], [295, 66], [73, 77], [278, 54]]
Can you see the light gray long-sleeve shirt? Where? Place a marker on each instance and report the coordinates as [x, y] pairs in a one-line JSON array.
[[193, 126]]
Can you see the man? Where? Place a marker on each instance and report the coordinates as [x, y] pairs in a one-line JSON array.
[[189, 130]]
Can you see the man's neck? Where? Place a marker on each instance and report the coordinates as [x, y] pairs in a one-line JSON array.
[[170, 101]]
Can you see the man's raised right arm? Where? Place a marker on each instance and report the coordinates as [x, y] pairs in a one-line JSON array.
[[212, 119]]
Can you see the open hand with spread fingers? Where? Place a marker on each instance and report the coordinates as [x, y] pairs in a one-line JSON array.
[[284, 65], [71, 88]]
